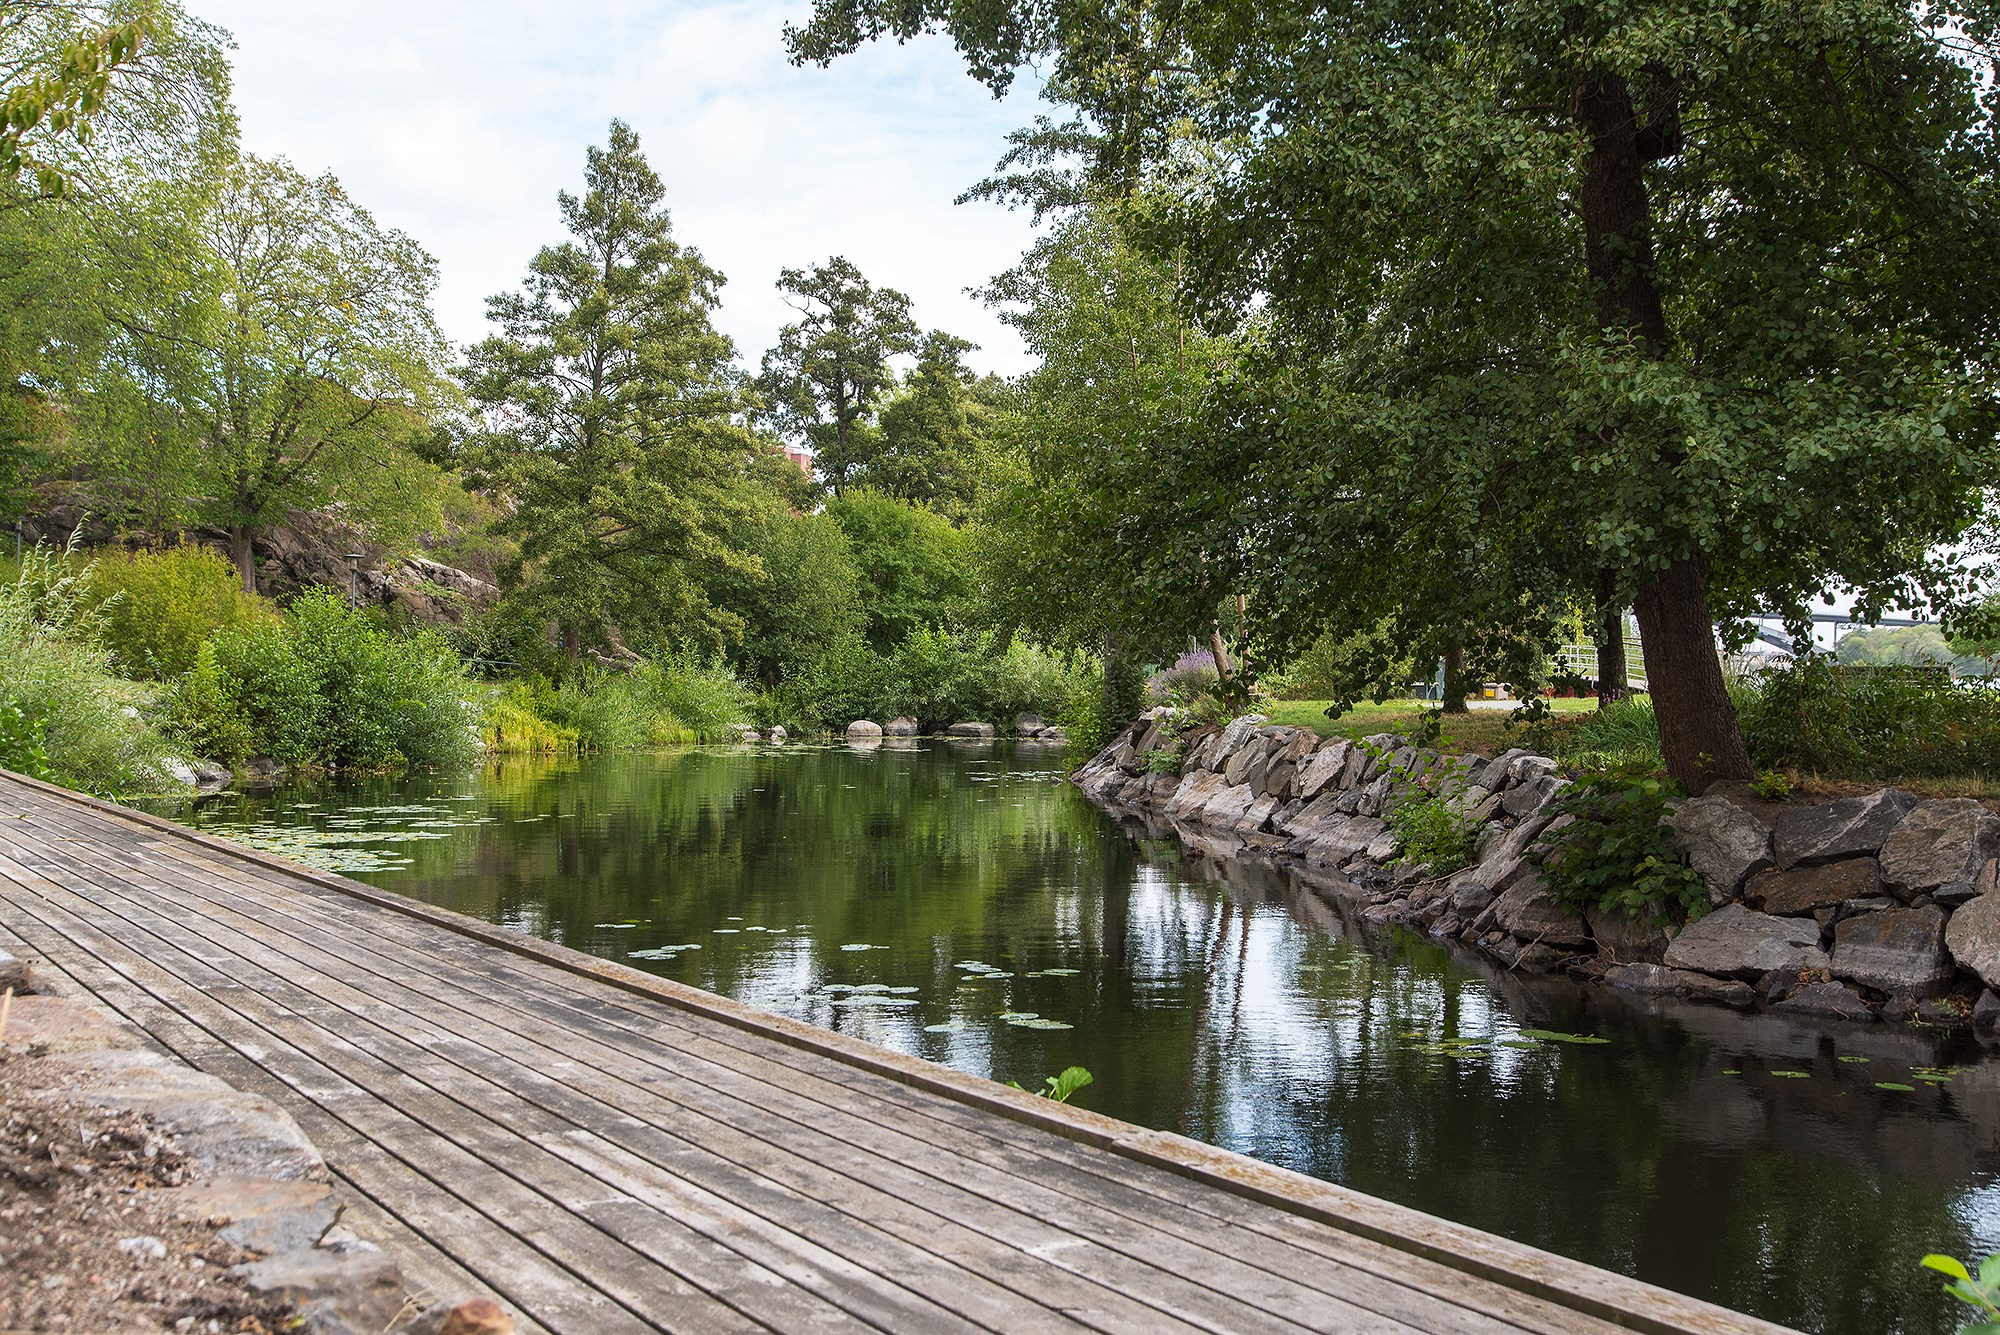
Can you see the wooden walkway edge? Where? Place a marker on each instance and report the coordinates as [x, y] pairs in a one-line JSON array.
[[612, 1151]]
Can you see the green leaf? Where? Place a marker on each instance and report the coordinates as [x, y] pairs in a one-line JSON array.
[[1946, 1265]]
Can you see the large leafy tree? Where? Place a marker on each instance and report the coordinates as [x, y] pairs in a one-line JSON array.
[[612, 419], [830, 370], [933, 440], [1698, 289], [296, 352]]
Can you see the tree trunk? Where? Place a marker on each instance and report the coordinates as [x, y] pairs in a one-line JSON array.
[[1613, 673], [1700, 737], [1453, 701], [245, 558], [572, 643], [1699, 733]]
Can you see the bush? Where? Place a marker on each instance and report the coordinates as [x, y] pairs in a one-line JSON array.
[[325, 685], [848, 681], [1617, 856], [1435, 831], [673, 701], [1621, 737], [64, 716], [1873, 723], [156, 609]]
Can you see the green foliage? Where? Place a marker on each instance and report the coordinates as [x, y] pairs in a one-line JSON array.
[[1060, 1087], [325, 685], [848, 680], [916, 569], [64, 715], [938, 677], [1622, 737], [1617, 855], [157, 609], [1981, 1293], [1434, 830], [675, 700], [831, 369], [611, 419], [808, 595], [1872, 723], [932, 445], [63, 93]]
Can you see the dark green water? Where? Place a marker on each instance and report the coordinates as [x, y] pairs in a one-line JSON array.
[[1220, 1000]]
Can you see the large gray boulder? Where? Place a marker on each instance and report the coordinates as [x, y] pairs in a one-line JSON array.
[[1322, 769], [1529, 911], [1802, 890], [1843, 829], [1657, 980], [978, 732], [1338, 840], [900, 727], [1973, 937], [1940, 843], [1825, 1001], [1029, 725], [1900, 951], [1723, 842], [864, 730], [1233, 738], [1735, 942], [1193, 794]]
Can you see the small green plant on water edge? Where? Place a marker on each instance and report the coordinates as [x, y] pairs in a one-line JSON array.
[[1059, 1087], [1435, 832], [1981, 1293], [1615, 854]]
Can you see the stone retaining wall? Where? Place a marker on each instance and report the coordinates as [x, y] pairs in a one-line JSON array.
[[1882, 906]]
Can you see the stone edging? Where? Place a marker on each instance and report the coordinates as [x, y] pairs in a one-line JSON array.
[[261, 1183], [1882, 906]]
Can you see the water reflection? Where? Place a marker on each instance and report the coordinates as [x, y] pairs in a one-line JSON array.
[[958, 904]]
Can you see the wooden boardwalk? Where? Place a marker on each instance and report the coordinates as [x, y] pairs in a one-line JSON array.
[[610, 1152]]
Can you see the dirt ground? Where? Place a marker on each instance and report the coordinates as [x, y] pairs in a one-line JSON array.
[[87, 1241]]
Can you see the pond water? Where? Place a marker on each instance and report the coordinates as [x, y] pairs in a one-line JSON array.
[[960, 905]]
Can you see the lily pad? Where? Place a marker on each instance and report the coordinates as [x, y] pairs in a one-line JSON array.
[[1793, 1075], [951, 1027], [660, 952], [871, 1000], [1528, 1044], [1011, 1016], [1551, 1036], [1899, 1088], [1039, 1023], [863, 945], [1858, 1061]]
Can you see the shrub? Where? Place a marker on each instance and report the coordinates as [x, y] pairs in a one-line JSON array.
[[848, 681], [1435, 831], [64, 716], [694, 700], [512, 726], [156, 609], [1616, 855], [325, 685], [1623, 736], [1872, 723], [673, 701]]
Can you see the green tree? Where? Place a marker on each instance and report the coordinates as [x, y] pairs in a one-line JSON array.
[[831, 370], [612, 418], [57, 68], [286, 338], [1699, 291], [932, 445], [806, 596], [916, 569]]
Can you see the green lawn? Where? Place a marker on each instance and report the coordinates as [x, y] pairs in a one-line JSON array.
[[1482, 730]]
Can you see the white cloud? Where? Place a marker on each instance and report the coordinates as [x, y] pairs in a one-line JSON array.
[[459, 121]]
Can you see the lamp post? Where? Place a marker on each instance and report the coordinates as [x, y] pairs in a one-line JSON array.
[[354, 579]]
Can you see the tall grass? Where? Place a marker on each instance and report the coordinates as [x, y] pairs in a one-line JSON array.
[[65, 716], [676, 700]]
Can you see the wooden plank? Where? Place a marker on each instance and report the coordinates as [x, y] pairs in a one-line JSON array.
[[1570, 1285], [1162, 1281], [1131, 1201], [1029, 1174], [511, 1212]]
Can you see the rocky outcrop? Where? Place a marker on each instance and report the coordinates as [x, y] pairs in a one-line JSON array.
[[971, 732], [1873, 906], [864, 730]]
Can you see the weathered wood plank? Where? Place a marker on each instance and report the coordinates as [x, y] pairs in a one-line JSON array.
[[1215, 1233], [781, 1145], [1160, 1284]]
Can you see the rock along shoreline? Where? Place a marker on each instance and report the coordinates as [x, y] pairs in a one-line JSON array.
[[1882, 907]]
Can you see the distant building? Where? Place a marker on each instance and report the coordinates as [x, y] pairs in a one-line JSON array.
[[801, 456]]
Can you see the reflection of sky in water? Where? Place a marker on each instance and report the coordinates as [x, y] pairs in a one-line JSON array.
[[935, 900]]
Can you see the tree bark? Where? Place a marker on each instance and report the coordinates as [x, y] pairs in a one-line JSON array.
[[572, 643], [1454, 679], [1700, 736], [243, 555], [1613, 673]]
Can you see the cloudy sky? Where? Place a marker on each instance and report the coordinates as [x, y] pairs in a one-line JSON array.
[[459, 120]]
